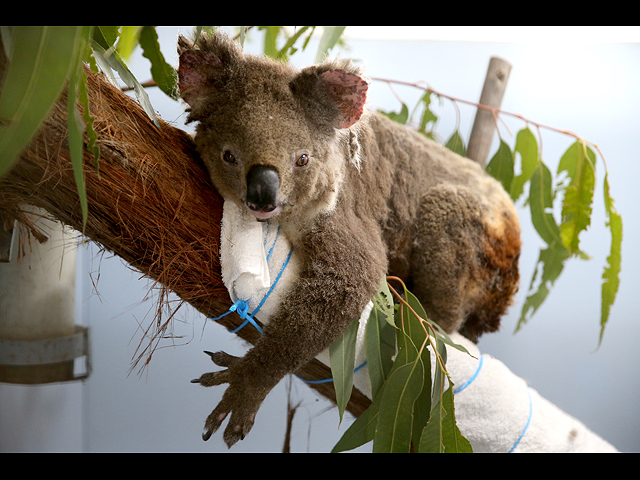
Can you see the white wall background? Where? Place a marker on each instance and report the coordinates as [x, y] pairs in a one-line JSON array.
[[575, 79]]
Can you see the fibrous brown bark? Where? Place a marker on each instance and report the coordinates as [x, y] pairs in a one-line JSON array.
[[151, 203]]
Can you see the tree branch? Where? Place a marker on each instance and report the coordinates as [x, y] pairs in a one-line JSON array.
[[497, 112]]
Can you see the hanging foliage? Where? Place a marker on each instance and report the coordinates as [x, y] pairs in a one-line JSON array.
[[572, 187]]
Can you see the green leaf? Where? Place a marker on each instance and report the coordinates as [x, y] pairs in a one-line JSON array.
[[342, 354], [610, 277], [527, 147], [445, 338], [427, 115], [363, 429], [39, 64], [400, 117], [442, 435], [415, 334], [106, 36], [431, 440], [422, 405], [383, 301], [88, 119], [439, 376], [548, 269], [164, 74], [128, 40], [243, 34], [112, 59], [288, 48], [271, 34], [501, 166], [75, 120], [579, 164], [541, 205], [456, 144], [329, 38], [380, 344], [395, 417]]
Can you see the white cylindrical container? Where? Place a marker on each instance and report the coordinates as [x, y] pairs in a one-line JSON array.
[[38, 337]]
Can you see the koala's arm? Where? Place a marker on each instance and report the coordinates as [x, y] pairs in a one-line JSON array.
[[342, 272]]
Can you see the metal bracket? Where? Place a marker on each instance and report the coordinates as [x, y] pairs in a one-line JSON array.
[[48, 351]]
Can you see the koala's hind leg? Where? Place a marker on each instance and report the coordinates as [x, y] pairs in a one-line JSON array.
[[465, 260]]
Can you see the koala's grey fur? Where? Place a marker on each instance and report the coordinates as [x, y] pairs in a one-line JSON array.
[[369, 198]]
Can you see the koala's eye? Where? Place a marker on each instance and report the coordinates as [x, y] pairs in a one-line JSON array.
[[228, 157], [302, 160]]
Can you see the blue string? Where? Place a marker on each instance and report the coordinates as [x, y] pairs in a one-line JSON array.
[[274, 241], [327, 380], [526, 426], [242, 306], [475, 375]]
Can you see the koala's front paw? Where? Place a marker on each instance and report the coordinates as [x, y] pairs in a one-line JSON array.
[[239, 400]]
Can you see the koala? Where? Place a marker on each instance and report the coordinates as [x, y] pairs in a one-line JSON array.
[[357, 195]]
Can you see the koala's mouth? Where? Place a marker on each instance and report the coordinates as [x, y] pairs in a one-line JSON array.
[[265, 213]]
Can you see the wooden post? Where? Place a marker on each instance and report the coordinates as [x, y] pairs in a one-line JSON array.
[[484, 125]]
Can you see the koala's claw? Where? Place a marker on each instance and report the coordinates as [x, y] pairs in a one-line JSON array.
[[222, 359], [240, 424], [212, 379]]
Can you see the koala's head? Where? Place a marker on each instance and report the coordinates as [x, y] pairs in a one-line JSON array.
[[271, 136]]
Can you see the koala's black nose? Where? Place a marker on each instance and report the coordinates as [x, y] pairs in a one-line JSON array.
[[263, 182]]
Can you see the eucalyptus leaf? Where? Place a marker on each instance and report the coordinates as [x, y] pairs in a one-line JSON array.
[[411, 324], [40, 62], [106, 36], [330, 37], [128, 40], [342, 354], [363, 429], [501, 166], [456, 144], [611, 275], [395, 417], [383, 301], [578, 162], [442, 435], [400, 117], [548, 269], [431, 440], [527, 147], [114, 61], [75, 120], [438, 384], [541, 205], [88, 119], [270, 37], [416, 334], [446, 339], [427, 115], [164, 74], [380, 345], [289, 48]]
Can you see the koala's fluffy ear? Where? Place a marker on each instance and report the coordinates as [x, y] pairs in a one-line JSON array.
[[340, 93], [203, 65]]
